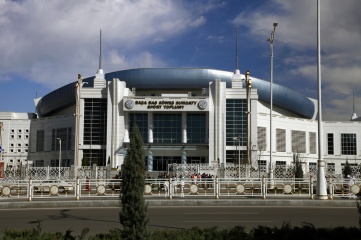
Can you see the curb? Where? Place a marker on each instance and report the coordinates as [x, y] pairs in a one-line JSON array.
[[182, 203]]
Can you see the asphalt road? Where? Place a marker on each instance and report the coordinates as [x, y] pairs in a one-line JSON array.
[[100, 220]]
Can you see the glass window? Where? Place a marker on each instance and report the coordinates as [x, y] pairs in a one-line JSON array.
[[233, 156], [330, 168], [330, 144], [94, 156], [261, 135], [39, 163], [312, 167], [299, 141], [142, 123], [40, 140], [348, 144], [236, 121], [95, 121], [312, 142], [65, 135], [167, 128], [196, 128], [160, 163], [280, 140]]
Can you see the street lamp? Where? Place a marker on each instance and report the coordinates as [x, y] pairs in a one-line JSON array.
[[321, 192], [248, 93], [271, 41], [78, 87], [239, 154], [59, 155]]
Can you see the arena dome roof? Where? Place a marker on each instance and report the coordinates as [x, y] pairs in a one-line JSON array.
[[180, 78]]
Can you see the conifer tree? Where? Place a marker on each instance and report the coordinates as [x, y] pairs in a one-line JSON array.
[[347, 171], [134, 214], [297, 165]]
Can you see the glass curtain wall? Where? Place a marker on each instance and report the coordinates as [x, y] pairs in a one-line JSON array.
[[236, 126], [95, 125]]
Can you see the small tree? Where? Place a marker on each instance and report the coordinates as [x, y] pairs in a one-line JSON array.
[[347, 169], [297, 165], [85, 161], [134, 216]]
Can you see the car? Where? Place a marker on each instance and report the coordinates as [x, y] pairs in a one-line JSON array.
[[55, 185], [115, 184]]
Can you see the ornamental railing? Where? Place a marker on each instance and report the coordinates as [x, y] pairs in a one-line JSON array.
[[63, 173], [170, 188]]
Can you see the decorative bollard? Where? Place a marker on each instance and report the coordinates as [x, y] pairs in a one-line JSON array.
[[30, 189], [263, 187], [217, 188], [330, 185], [311, 187], [77, 188], [170, 188]]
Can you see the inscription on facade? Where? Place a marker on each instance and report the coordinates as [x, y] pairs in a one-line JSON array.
[[165, 104]]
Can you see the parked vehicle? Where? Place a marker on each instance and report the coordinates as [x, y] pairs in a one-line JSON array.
[[58, 185], [115, 184]]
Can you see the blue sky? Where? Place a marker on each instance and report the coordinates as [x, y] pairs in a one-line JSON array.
[[45, 44]]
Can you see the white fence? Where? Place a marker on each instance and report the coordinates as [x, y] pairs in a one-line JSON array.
[[64, 173], [255, 171], [177, 170], [178, 188]]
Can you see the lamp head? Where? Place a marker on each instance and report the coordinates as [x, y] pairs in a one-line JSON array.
[[275, 24]]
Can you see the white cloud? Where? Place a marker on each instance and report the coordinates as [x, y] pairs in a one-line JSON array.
[[45, 40], [115, 61], [218, 39], [296, 38], [198, 22]]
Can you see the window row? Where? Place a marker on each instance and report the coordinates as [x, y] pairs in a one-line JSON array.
[[12, 131], [348, 144], [19, 150], [12, 145], [167, 128], [298, 140], [12, 136], [236, 122], [95, 121], [59, 136]]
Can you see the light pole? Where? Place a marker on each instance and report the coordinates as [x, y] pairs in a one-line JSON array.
[[59, 155], [78, 87], [321, 192], [239, 154], [271, 41], [248, 93]]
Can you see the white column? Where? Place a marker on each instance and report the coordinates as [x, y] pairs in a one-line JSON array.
[[184, 127], [150, 127]]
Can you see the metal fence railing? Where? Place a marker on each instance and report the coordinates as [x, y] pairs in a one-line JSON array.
[[231, 188]]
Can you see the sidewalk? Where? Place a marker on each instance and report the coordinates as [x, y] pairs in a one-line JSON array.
[[67, 203]]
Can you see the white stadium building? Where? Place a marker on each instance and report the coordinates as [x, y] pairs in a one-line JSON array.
[[185, 116]]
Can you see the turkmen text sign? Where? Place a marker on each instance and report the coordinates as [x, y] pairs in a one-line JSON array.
[[151, 104]]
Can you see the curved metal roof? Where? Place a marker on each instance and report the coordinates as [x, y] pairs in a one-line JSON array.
[[179, 78]]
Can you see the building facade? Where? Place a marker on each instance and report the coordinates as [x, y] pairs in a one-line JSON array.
[[185, 116], [14, 138]]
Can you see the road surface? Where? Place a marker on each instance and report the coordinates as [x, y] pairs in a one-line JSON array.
[[100, 220]]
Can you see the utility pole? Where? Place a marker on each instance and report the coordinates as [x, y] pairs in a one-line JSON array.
[[248, 92]]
